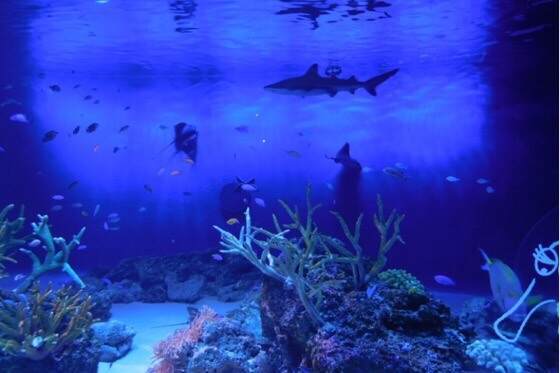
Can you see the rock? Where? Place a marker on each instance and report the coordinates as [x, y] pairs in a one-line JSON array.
[[114, 338], [124, 292], [188, 291], [154, 294]]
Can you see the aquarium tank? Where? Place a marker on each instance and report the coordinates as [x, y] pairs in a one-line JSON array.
[[279, 186]]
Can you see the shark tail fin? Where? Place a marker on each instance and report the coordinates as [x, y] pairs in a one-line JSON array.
[[371, 84]]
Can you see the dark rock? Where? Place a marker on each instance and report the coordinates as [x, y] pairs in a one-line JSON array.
[[124, 291], [188, 291], [115, 339], [154, 294]]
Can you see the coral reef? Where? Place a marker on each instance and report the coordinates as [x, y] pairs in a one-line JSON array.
[[42, 323], [53, 259], [9, 236], [115, 339], [497, 356], [400, 279]]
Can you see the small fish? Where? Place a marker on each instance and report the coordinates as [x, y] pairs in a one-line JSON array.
[[293, 153], [444, 280], [56, 208], [105, 226], [127, 108], [96, 148], [187, 194], [371, 290], [37, 342], [88, 97], [73, 184], [113, 215], [2, 149], [394, 172], [217, 257], [148, 188], [232, 221], [490, 189], [189, 160], [482, 181], [116, 149], [163, 127], [77, 205], [76, 86], [57, 197], [366, 170], [55, 88], [19, 118], [161, 171], [114, 220], [124, 128], [76, 130], [260, 202], [84, 213], [401, 166], [329, 186], [19, 276], [452, 179], [242, 129], [92, 127], [142, 209], [96, 210], [50, 136], [175, 173], [36, 242], [10, 101], [96, 102], [82, 247], [248, 186]]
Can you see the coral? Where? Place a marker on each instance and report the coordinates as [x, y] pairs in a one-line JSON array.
[[169, 352], [9, 232], [400, 279], [115, 339], [497, 355], [287, 258], [42, 323], [387, 239], [53, 259]]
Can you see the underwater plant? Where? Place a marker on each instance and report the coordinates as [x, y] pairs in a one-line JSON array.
[[400, 279], [167, 353], [290, 260], [9, 231], [389, 235], [42, 323], [53, 259], [497, 356]]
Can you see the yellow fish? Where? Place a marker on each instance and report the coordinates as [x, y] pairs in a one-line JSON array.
[[175, 173], [232, 221]]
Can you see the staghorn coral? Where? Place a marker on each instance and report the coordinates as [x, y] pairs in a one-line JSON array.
[[9, 232], [53, 259], [168, 353], [43, 323], [290, 255], [387, 239], [400, 279]]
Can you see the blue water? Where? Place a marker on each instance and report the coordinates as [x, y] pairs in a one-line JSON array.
[[469, 101]]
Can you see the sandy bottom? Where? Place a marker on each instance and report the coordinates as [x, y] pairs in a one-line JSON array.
[[147, 319]]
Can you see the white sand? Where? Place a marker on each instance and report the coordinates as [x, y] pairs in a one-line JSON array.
[[147, 319]]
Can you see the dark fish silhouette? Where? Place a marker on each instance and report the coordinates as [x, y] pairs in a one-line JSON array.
[[186, 140], [311, 83], [116, 149], [88, 97], [73, 184], [124, 128], [233, 201], [76, 130], [148, 188], [50, 136], [92, 127], [55, 88], [343, 157]]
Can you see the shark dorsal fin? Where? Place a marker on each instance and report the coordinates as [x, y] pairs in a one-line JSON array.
[[313, 70], [344, 152]]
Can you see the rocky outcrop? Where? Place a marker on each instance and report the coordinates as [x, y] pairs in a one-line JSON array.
[[114, 338]]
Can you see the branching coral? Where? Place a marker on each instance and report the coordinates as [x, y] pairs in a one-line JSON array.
[[400, 279], [9, 236], [43, 322], [53, 259], [389, 235], [167, 353], [289, 255]]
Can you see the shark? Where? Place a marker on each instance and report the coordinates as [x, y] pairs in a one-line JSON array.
[[311, 83], [343, 157]]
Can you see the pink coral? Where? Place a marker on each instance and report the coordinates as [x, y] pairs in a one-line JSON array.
[[169, 350]]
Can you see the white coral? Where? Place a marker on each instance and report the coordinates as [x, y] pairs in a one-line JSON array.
[[497, 355]]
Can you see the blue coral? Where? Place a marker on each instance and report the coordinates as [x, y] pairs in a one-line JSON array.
[[497, 356]]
